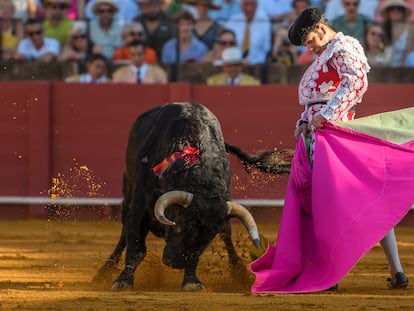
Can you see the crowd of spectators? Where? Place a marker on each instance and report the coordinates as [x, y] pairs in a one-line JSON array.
[[157, 32]]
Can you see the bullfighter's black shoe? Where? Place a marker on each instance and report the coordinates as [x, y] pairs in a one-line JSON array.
[[332, 289], [399, 280]]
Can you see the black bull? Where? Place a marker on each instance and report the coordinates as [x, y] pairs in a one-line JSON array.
[[181, 197]]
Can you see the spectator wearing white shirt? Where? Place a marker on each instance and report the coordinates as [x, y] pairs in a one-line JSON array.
[[35, 46], [253, 32]]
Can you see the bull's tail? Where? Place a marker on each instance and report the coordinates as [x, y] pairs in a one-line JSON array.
[[276, 161]]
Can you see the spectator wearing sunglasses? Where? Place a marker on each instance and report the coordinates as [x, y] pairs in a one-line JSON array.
[[78, 46], [56, 25], [352, 23], [106, 30], [226, 38], [127, 10], [130, 32], [36, 46], [378, 52]]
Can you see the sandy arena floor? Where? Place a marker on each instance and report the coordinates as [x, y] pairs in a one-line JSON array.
[[48, 265]]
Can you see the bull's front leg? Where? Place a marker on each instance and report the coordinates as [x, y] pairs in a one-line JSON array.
[[137, 230], [104, 275], [190, 281]]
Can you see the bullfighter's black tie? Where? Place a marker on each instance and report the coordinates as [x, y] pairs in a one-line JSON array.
[[139, 76]]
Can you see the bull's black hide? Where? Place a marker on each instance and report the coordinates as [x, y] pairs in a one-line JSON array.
[[181, 198]]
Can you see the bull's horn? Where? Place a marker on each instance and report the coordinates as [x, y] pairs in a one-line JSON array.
[[238, 210], [182, 198]]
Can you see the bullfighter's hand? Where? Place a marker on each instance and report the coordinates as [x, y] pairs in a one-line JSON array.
[[303, 128], [318, 121]]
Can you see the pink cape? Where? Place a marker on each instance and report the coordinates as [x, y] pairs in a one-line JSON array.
[[360, 187]]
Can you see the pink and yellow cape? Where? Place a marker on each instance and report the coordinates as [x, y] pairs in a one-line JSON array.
[[360, 187]]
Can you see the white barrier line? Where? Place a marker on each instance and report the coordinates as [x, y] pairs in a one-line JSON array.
[[117, 201], [110, 201]]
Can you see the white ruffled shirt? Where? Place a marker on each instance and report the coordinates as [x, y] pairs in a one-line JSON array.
[[338, 77]]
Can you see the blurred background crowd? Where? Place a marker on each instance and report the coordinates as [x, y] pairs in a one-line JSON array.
[[140, 36]]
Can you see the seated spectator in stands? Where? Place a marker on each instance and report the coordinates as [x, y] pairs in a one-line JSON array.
[[190, 49], [334, 8], [36, 46], [399, 32], [106, 31], [11, 28], [56, 25], [376, 48], [127, 11], [227, 9], [158, 25], [352, 23], [205, 28], [130, 32], [226, 38], [283, 52], [96, 69], [139, 71], [253, 32], [78, 46], [232, 62], [379, 18]]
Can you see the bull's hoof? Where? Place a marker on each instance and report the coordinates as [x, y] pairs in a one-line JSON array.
[[121, 285], [193, 287]]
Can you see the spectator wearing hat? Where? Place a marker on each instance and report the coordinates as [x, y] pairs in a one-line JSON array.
[[253, 32], [130, 32], [56, 25], [139, 71], [190, 49], [127, 11], [380, 19], [232, 63], [399, 32], [96, 70], [205, 28], [78, 45], [36, 46], [159, 26], [352, 23], [106, 31]]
